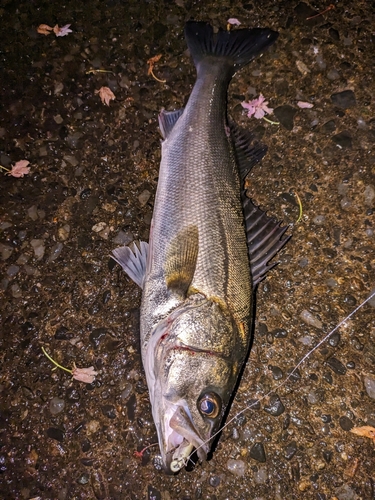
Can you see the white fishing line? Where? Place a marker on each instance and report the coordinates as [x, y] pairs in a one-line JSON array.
[[305, 357]]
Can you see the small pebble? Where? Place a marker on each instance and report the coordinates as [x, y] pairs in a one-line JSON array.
[[275, 406], [215, 480], [63, 232], [144, 197], [55, 252], [236, 467], [336, 366], [310, 319], [345, 492], [32, 212], [12, 270], [258, 453], [83, 478], [6, 251], [56, 405], [369, 195], [123, 238], [109, 411], [56, 434], [100, 226], [16, 290], [370, 386], [127, 390], [290, 450], [97, 336], [344, 100], [319, 219], [261, 475], [38, 247], [345, 423]]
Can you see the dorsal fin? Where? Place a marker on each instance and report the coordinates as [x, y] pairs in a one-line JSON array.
[[264, 239], [167, 120]]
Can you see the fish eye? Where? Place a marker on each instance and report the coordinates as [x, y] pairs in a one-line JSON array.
[[209, 405]]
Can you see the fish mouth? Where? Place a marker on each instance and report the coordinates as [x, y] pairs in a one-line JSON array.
[[181, 439]]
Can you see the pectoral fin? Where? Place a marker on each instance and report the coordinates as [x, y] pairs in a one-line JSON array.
[[133, 260], [182, 260]]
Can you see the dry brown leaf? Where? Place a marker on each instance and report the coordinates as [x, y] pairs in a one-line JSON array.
[[106, 95], [151, 63], [44, 29], [365, 431]]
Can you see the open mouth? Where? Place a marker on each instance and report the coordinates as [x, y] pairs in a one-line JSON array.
[[183, 439]]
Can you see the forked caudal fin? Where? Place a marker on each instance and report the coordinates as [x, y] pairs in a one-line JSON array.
[[239, 47]]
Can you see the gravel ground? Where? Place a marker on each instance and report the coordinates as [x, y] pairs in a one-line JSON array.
[[91, 185]]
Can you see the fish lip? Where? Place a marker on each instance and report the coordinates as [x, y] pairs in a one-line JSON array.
[[183, 432]]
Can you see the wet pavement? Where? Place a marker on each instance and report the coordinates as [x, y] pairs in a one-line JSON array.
[[91, 186]]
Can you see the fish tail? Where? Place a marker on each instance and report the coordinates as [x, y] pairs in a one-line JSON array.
[[237, 47]]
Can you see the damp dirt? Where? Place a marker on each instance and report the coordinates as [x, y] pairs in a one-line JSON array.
[[91, 187]]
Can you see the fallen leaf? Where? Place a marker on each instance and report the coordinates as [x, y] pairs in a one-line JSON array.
[[44, 29], [86, 375], [151, 63], [365, 431], [62, 31], [106, 95], [19, 169]]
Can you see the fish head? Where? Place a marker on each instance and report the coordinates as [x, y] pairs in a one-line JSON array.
[[192, 372]]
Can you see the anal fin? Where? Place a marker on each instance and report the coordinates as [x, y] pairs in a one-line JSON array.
[[264, 239], [133, 260]]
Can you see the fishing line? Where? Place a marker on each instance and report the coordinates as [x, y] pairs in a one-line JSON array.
[[305, 357]]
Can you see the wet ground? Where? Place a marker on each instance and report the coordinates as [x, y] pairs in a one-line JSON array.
[[91, 188]]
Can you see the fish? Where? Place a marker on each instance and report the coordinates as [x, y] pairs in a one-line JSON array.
[[209, 246]]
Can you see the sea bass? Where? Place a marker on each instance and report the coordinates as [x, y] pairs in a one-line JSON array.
[[209, 246]]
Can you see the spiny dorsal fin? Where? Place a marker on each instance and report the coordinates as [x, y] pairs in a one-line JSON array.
[[247, 150], [133, 260], [167, 120], [264, 239], [181, 260]]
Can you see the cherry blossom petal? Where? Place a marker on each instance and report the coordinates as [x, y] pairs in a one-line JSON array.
[[257, 107], [106, 95], [304, 105], [233, 21], [19, 169], [62, 31], [86, 375]]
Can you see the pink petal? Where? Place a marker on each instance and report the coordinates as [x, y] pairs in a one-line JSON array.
[[259, 113], [303, 105], [19, 169], [62, 31], [233, 21], [249, 107], [86, 375], [266, 108]]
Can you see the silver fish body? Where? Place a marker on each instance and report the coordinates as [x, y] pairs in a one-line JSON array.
[[195, 274]]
